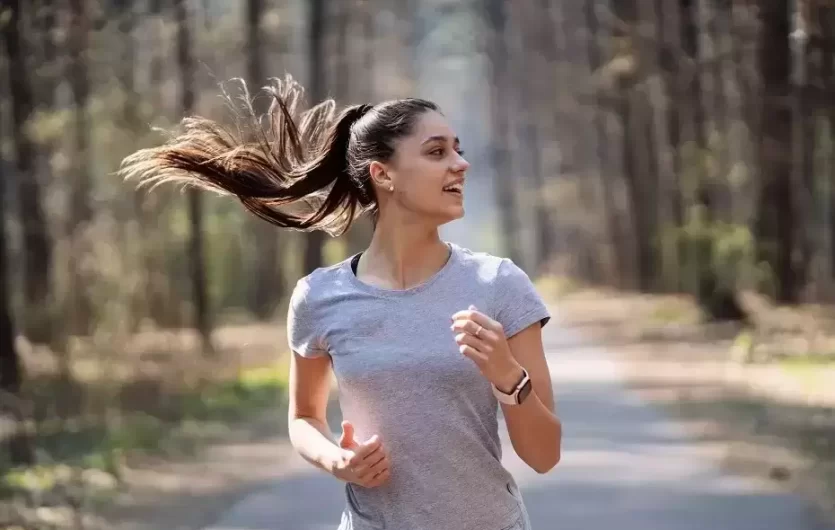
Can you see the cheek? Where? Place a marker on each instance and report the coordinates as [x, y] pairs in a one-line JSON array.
[[422, 184]]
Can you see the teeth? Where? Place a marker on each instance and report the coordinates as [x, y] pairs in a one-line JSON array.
[[456, 187]]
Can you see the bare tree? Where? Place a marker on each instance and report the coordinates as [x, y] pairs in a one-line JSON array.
[[358, 66], [496, 19], [603, 156], [20, 451], [185, 60], [317, 66], [638, 149], [267, 286], [537, 56], [776, 215], [37, 240]]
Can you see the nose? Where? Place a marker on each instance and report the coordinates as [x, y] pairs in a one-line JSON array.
[[460, 164]]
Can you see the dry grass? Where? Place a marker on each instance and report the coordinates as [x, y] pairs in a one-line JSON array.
[[130, 409]]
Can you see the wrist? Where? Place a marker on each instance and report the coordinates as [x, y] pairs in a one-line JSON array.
[[331, 459], [509, 379]]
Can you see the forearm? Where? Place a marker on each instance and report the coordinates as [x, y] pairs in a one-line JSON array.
[[314, 441], [535, 432]]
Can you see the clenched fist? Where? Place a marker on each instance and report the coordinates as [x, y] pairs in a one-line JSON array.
[[365, 464]]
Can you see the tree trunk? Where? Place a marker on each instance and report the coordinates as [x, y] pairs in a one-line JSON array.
[[827, 103], [667, 102], [11, 376], [155, 9], [315, 241], [531, 28], [719, 14], [363, 86], [637, 152], [805, 104], [268, 275], [616, 238], [775, 218], [47, 12], [500, 148], [162, 307], [81, 211], [37, 240], [185, 60], [690, 43]]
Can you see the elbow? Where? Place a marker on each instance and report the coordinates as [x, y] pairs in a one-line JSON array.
[[550, 460], [547, 464]]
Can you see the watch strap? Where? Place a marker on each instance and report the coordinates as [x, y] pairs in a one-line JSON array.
[[513, 397]]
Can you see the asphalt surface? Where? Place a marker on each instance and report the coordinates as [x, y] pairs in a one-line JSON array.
[[625, 465]]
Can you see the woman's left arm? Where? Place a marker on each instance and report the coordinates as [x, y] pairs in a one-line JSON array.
[[535, 431]]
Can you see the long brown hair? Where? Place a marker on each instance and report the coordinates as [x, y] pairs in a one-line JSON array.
[[303, 170]]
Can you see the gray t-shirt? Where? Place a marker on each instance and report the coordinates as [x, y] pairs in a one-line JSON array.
[[400, 375]]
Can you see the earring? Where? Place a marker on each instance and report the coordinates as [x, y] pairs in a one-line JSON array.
[[391, 187]]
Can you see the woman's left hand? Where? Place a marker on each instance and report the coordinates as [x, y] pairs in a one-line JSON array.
[[482, 339]]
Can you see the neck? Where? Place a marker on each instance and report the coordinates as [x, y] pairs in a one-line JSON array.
[[402, 253]]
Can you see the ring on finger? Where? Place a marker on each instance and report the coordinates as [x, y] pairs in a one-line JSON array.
[[478, 332]]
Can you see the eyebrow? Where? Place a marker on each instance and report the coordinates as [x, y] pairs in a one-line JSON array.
[[439, 137]]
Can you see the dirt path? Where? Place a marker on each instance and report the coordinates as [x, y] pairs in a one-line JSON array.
[[771, 424], [626, 464], [743, 442]]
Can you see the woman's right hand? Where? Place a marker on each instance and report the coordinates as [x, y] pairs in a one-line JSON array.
[[365, 464]]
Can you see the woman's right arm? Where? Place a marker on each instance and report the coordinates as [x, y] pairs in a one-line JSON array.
[[365, 464], [308, 428]]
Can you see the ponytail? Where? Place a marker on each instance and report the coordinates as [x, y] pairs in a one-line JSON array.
[[294, 173]]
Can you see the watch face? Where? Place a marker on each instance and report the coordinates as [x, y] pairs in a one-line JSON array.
[[524, 392]]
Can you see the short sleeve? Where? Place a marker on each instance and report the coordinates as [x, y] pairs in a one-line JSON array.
[[303, 334], [518, 304]]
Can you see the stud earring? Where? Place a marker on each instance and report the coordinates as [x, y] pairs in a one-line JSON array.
[[391, 187]]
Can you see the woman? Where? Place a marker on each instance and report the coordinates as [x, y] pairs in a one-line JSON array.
[[423, 336]]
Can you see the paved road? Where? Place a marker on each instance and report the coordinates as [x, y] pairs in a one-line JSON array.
[[624, 466]]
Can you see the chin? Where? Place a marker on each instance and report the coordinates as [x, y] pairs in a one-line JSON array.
[[451, 214]]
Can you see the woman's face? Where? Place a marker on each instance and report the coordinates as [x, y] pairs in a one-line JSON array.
[[427, 171]]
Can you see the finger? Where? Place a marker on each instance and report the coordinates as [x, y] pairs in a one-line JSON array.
[[465, 339], [379, 466], [471, 327], [369, 469], [369, 461], [380, 478], [479, 318], [366, 449], [477, 357], [347, 438]]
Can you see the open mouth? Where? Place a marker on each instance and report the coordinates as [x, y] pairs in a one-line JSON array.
[[457, 189]]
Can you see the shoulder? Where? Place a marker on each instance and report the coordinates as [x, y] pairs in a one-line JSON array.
[[490, 268], [312, 289]]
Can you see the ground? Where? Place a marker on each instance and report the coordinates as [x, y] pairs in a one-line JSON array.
[[772, 422]]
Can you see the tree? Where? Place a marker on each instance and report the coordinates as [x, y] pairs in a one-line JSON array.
[[20, 451], [496, 19], [268, 280], [37, 240], [603, 157], [315, 241], [186, 63], [775, 224], [537, 42], [638, 149], [81, 211]]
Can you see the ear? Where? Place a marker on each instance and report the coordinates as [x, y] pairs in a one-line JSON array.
[[379, 175]]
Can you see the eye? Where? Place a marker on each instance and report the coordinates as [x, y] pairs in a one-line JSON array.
[[438, 151], [460, 152]]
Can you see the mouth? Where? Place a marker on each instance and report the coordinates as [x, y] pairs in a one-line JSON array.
[[455, 189]]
